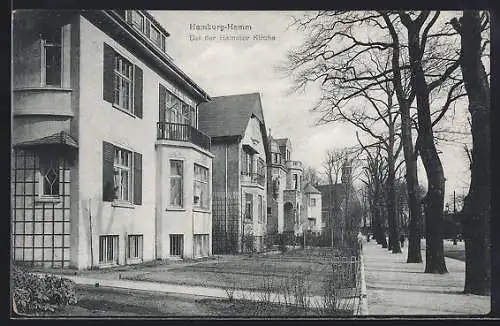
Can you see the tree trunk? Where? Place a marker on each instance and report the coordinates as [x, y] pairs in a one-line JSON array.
[[391, 195], [434, 199], [381, 222], [477, 206], [414, 252]]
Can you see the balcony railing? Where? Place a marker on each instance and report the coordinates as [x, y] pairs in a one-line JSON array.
[[182, 132], [254, 177], [294, 164]]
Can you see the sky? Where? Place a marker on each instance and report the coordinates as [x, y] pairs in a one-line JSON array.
[[225, 67]]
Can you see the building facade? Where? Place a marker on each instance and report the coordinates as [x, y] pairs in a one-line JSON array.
[[285, 201], [312, 207], [340, 207], [237, 129], [108, 164]]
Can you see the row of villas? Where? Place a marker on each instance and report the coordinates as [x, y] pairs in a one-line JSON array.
[[119, 157]]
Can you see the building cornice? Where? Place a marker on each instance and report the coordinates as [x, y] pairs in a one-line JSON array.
[[116, 27]]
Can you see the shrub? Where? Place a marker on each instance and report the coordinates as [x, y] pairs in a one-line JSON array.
[[33, 293]]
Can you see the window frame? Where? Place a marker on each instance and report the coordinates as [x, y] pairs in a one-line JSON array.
[[118, 79], [177, 238], [174, 105], [118, 165], [140, 247], [201, 205], [41, 178], [248, 203], [312, 202], [152, 28], [136, 13], [43, 60], [181, 177], [115, 249]]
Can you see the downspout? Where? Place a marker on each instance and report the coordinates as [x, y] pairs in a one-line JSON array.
[[225, 201], [90, 226]]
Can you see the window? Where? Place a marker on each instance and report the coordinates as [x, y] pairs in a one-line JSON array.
[[176, 245], [51, 57], [122, 82], [123, 72], [178, 112], [276, 158], [201, 245], [108, 249], [248, 206], [313, 202], [155, 36], [122, 171], [176, 180], [200, 187], [295, 181], [261, 209], [121, 175], [138, 20], [49, 173], [247, 163], [135, 247], [261, 171]]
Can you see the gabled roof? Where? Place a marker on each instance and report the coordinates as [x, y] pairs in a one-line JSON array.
[[309, 189], [229, 115], [281, 141]]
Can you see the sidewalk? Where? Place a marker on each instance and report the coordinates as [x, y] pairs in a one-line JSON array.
[[397, 288]]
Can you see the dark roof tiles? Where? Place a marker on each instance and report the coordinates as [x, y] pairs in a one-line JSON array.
[[229, 115]]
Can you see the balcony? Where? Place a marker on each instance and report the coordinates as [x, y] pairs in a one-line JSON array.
[[294, 165], [257, 178], [182, 132]]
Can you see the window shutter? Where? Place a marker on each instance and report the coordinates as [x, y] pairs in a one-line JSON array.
[[163, 102], [108, 153], [108, 74], [137, 179], [138, 91]]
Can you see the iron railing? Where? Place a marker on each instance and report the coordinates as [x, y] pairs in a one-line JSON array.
[[182, 132]]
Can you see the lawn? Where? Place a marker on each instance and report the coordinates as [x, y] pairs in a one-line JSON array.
[[454, 251], [111, 302], [249, 272]]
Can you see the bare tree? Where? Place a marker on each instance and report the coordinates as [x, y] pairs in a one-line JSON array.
[[333, 162], [477, 206], [311, 175], [339, 45], [375, 178]]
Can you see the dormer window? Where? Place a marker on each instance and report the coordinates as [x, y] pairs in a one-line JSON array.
[[138, 20], [157, 37], [147, 27]]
